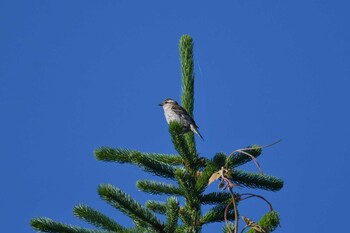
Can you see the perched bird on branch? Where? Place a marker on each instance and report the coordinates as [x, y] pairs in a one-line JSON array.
[[174, 112]]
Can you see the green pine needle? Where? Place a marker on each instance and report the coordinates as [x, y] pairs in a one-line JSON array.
[[172, 215], [50, 226], [187, 71], [97, 219], [202, 181], [155, 187], [216, 198], [122, 201], [157, 206], [216, 214], [269, 222], [239, 158], [254, 180], [143, 160], [178, 139]]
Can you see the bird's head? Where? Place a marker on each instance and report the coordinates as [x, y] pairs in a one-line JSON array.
[[168, 102]]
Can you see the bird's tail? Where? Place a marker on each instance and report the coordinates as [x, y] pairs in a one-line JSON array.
[[200, 135], [196, 132]]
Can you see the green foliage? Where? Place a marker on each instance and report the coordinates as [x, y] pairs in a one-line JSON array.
[[121, 155], [226, 228], [48, 225], [164, 158], [269, 222], [172, 215], [147, 163], [157, 206], [155, 187], [211, 166], [180, 144], [189, 174], [216, 214], [187, 70], [216, 198], [97, 219], [122, 201], [253, 180], [239, 158]]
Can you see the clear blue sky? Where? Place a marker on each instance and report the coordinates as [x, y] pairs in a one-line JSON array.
[[76, 75]]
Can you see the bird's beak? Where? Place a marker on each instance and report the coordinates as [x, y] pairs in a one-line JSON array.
[[161, 104]]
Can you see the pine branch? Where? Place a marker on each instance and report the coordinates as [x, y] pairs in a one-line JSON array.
[[128, 206], [180, 144], [220, 159], [186, 184], [121, 155], [216, 214], [226, 230], [185, 144], [187, 71], [254, 180], [142, 230], [155, 167], [160, 207], [181, 229], [216, 198], [269, 222], [142, 227], [97, 219], [157, 206], [155, 187], [50, 226], [165, 158], [140, 159], [239, 158], [202, 181], [185, 217], [211, 166], [172, 215]]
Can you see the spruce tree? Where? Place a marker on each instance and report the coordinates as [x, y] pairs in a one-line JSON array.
[[190, 176]]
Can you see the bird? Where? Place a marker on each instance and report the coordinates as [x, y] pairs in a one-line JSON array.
[[174, 112]]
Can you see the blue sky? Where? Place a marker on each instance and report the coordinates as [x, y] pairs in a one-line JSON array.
[[77, 75]]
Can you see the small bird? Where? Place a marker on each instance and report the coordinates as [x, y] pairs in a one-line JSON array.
[[174, 112]]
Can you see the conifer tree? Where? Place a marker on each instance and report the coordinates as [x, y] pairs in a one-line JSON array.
[[190, 176]]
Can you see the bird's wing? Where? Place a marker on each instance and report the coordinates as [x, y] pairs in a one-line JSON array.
[[183, 113]]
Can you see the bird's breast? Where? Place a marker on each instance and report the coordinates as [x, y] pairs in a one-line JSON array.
[[171, 116]]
